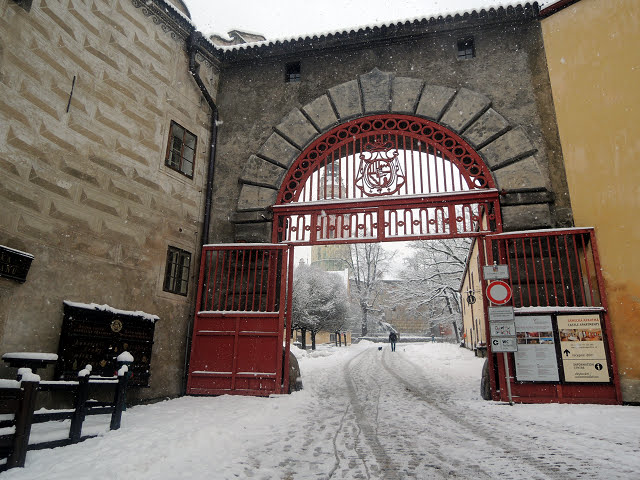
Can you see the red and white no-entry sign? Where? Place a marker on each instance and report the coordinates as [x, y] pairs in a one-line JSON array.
[[499, 292]]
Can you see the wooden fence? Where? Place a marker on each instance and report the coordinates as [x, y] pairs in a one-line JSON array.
[[18, 398]]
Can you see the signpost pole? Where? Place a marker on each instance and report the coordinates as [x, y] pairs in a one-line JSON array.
[[499, 293], [507, 376]]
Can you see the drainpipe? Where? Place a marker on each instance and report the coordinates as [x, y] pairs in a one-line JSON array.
[[194, 69]]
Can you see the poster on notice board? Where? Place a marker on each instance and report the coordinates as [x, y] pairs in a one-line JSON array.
[[584, 356], [536, 359]]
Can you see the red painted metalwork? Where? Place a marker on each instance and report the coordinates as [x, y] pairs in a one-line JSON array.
[[432, 159], [387, 219], [239, 327], [556, 272], [379, 172], [385, 178]]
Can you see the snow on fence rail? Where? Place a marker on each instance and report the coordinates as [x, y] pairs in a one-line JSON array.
[[18, 399]]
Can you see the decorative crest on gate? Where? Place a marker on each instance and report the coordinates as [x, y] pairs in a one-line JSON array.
[[380, 172]]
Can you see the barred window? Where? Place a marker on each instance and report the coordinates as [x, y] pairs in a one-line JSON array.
[[292, 72], [466, 48], [181, 151], [176, 276]]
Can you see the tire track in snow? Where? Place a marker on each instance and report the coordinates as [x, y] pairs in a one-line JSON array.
[[366, 429], [541, 464], [363, 374]]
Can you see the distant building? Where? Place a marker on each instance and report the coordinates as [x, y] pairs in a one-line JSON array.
[[236, 37]]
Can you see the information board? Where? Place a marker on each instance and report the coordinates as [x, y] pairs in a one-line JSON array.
[[536, 359], [495, 272], [96, 335], [584, 356]]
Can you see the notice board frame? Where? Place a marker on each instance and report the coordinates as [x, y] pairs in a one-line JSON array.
[[97, 334]]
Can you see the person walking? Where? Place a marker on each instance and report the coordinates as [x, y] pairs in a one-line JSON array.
[[393, 338]]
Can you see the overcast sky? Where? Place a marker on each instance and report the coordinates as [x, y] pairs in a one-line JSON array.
[[289, 18]]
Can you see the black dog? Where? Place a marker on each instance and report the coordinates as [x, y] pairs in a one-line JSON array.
[[379, 348]]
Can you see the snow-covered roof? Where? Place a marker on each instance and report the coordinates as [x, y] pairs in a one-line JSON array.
[[30, 356], [107, 308], [175, 9], [499, 10]]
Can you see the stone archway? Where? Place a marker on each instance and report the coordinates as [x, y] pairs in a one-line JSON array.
[[505, 148]]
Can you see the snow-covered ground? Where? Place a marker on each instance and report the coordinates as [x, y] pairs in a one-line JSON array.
[[363, 414]]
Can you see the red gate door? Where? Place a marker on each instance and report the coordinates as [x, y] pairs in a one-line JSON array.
[[239, 326], [559, 300]]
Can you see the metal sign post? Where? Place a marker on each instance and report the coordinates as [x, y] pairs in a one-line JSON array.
[[508, 377], [501, 318]]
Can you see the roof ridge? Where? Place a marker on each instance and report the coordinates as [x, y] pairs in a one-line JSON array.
[[441, 17]]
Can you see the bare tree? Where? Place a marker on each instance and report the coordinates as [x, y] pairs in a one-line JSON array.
[[367, 263], [432, 278], [319, 302]]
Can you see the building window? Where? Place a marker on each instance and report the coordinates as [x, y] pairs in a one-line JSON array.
[[292, 72], [181, 151], [176, 276], [466, 48]]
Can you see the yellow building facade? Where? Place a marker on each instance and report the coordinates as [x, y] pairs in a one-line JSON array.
[[473, 325], [594, 67]]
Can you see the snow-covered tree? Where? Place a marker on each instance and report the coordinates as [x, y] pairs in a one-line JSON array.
[[432, 277], [367, 263], [319, 302]]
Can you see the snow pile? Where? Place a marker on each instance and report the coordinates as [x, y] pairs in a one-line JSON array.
[[125, 357]]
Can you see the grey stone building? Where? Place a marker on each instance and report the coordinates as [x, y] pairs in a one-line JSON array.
[[115, 171]]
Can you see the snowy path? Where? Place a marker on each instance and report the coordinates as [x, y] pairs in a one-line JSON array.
[[363, 414]]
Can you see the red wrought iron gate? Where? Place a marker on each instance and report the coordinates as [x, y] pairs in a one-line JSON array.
[[240, 329], [395, 178], [557, 281]]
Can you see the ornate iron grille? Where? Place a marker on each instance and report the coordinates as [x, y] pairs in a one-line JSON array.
[[384, 178], [237, 279], [379, 220], [384, 155], [557, 268]]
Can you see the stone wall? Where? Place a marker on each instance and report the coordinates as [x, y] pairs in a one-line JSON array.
[[83, 182], [499, 101]]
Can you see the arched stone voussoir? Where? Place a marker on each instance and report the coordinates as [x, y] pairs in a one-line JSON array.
[[465, 108], [376, 91], [524, 174], [434, 100], [258, 170], [346, 99], [253, 197], [279, 150], [507, 148], [321, 113], [486, 128], [297, 129], [405, 94]]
